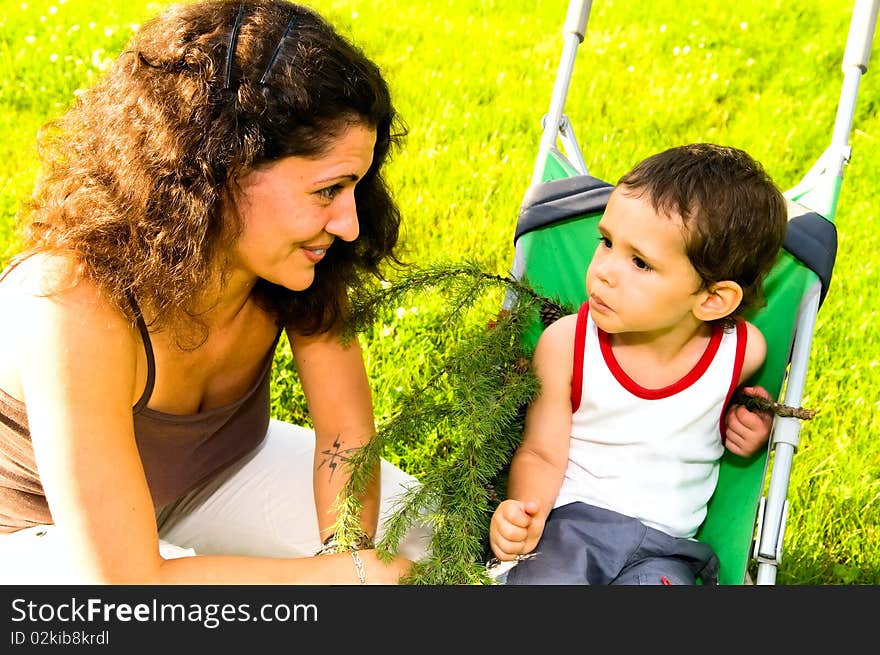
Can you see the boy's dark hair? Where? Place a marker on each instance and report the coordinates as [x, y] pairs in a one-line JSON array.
[[138, 172], [734, 216]]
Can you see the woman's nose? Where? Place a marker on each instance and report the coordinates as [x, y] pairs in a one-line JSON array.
[[344, 222]]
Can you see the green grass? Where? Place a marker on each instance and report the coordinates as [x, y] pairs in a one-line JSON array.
[[472, 80]]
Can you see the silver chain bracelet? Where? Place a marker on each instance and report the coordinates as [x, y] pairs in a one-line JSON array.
[[332, 545], [359, 565]]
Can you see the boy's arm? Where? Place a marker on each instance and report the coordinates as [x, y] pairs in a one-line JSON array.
[[746, 431], [539, 464]]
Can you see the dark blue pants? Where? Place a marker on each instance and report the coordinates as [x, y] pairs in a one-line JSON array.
[[586, 545]]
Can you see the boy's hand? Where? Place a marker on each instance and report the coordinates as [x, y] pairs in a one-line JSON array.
[[747, 432], [514, 529]]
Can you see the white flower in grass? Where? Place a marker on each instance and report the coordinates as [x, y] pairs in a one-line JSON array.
[[99, 61], [400, 312], [30, 39], [743, 25], [750, 62], [53, 57], [52, 9]]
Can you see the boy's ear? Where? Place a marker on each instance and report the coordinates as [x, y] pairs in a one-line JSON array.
[[719, 300]]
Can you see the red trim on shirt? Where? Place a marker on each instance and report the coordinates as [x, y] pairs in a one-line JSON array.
[[742, 335], [655, 394], [580, 342]]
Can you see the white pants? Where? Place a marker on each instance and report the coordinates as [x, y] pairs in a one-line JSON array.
[[261, 506]]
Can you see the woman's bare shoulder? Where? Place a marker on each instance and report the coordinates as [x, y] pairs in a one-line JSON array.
[[49, 277], [50, 311], [46, 294]]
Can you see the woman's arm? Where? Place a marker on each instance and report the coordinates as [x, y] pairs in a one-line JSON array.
[[77, 362], [336, 387]]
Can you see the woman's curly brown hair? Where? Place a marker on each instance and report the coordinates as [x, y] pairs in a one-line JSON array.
[[138, 172]]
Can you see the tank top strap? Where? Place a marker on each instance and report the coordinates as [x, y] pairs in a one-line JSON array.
[[148, 351]]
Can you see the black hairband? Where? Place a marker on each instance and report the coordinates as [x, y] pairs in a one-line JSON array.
[[277, 49], [233, 39], [230, 48]]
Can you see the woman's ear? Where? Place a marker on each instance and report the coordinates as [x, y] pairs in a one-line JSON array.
[[719, 300]]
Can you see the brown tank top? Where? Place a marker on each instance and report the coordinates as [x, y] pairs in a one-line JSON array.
[[178, 452]]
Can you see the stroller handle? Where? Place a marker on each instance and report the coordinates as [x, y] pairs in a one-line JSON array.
[[576, 19], [861, 34], [573, 35]]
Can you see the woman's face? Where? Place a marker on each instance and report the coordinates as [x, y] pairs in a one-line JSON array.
[[292, 210]]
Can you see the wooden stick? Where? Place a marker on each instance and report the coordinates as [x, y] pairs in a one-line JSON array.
[[757, 403]]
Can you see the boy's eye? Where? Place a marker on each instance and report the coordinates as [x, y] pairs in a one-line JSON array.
[[641, 264], [605, 241]]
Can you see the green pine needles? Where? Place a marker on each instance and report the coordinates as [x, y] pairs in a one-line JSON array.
[[475, 400]]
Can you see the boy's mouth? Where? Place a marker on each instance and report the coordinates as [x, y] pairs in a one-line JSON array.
[[598, 305]]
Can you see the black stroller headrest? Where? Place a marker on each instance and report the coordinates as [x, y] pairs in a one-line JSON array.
[[557, 200], [812, 238]]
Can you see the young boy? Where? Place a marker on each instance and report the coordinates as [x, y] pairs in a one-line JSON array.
[[621, 447]]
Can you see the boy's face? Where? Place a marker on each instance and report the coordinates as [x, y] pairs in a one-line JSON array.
[[640, 278]]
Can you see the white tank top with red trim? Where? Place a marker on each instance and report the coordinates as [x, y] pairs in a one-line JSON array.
[[652, 454]]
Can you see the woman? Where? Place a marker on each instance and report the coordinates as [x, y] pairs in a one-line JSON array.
[[221, 185]]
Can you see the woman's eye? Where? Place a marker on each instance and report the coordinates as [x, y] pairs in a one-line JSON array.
[[641, 264], [605, 241], [330, 192]]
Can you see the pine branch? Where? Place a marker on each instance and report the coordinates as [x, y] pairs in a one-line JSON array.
[[475, 401], [465, 282]]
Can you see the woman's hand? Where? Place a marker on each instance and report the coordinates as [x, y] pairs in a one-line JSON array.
[[375, 571]]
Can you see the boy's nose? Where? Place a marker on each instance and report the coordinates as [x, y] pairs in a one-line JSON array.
[[604, 271]]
